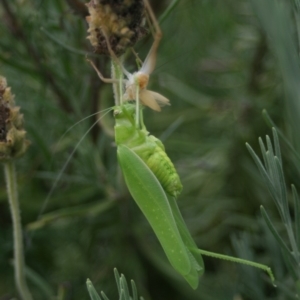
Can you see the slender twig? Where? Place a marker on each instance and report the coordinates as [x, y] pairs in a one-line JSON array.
[[19, 263], [168, 11]]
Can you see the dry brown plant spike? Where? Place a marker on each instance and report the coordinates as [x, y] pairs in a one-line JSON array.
[[12, 135], [122, 21]]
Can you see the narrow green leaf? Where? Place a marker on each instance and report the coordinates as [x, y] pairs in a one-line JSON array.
[[272, 166], [263, 151], [40, 282], [152, 200], [262, 171], [117, 278], [297, 214], [269, 145], [291, 266], [270, 122], [274, 231], [15, 63], [92, 291], [168, 10], [122, 295], [268, 119], [290, 258], [66, 45], [134, 290], [274, 177], [84, 209], [124, 286], [283, 196], [104, 296], [277, 145]]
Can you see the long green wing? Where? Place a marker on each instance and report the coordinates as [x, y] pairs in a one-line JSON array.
[[186, 237], [152, 200]]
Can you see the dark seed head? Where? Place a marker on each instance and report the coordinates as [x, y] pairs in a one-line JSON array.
[[12, 135], [118, 22]]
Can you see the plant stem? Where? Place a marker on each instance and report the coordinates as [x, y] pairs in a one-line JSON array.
[[19, 264], [137, 108], [116, 73], [168, 10]]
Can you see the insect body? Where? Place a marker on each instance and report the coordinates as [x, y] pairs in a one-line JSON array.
[[147, 147]]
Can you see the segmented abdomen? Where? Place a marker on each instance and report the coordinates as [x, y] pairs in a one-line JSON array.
[[161, 165]]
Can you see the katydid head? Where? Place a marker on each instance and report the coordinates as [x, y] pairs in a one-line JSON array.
[[139, 80], [136, 80]]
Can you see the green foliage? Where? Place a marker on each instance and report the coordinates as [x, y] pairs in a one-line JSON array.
[[272, 173], [122, 286]]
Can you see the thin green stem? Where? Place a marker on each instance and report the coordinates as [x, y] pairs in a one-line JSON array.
[[121, 89], [19, 264], [237, 260], [271, 124], [92, 291], [117, 73], [137, 108], [168, 11]]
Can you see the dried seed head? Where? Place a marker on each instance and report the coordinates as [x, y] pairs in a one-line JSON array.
[[12, 135], [121, 21]]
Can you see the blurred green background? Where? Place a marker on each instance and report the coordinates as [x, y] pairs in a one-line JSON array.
[[220, 66]]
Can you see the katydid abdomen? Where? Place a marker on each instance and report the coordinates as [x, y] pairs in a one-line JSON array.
[[147, 147]]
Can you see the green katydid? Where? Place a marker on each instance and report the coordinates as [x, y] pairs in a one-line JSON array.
[[150, 195], [148, 172]]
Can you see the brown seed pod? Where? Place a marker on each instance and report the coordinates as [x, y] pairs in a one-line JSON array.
[[120, 21], [12, 135]]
